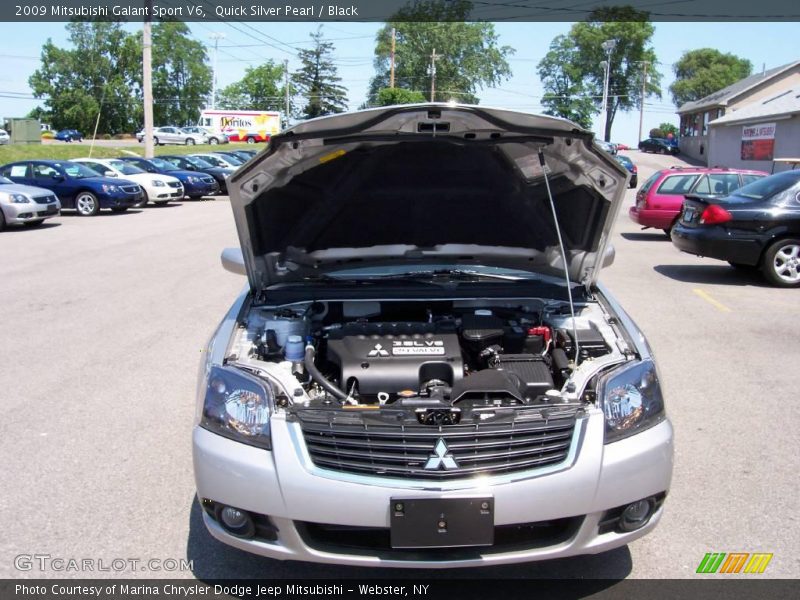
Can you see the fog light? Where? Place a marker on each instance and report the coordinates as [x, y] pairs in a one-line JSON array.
[[235, 521], [636, 514]]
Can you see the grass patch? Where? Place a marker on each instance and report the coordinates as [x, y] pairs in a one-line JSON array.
[[17, 152]]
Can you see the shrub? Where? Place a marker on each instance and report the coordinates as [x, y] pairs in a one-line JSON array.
[[655, 132], [48, 135]]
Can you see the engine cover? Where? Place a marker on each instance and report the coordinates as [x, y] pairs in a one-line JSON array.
[[393, 363]]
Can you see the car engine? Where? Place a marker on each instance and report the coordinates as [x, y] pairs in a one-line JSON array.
[[418, 354]]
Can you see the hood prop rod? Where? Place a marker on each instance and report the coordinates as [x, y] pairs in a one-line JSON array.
[[563, 255]]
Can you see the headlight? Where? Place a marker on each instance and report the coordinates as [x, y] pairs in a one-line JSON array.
[[237, 406], [193, 179], [632, 400], [109, 189], [19, 198], [158, 183]]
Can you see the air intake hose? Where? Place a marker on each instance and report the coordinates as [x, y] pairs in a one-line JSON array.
[[318, 377]]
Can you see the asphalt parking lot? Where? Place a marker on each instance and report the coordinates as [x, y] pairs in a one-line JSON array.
[[102, 321]]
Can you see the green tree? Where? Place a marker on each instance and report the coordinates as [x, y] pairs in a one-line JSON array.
[[392, 96], [468, 56], [657, 132], [565, 93], [181, 76], [261, 88], [668, 128], [317, 81], [93, 77], [704, 71], [578, 60]]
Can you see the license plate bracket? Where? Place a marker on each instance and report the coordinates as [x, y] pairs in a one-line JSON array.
[[442, 522]]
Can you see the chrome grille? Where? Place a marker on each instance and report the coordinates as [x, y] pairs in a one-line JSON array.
[[45, 199], [527, 442], [174, 184], [131, 189], [207, 179]]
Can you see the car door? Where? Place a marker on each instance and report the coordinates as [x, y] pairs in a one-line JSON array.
[[54, 178]]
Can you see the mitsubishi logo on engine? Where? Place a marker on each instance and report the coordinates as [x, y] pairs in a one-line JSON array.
[[441, 458], [378, 350]]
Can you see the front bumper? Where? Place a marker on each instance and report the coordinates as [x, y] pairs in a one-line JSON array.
[[291, 491], [718, 242], [196, 190], [17, 214], [120, 199]]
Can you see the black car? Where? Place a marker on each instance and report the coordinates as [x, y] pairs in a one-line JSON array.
[[757, 226], [659, 146], [193, 163], [632, 169]]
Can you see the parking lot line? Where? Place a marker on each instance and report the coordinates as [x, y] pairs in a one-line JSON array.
[[715, 303]]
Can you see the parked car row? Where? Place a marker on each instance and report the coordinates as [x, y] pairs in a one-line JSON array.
[[185, 136], [34, 190]]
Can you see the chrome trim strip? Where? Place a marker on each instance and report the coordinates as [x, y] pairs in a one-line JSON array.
[[296, 435]]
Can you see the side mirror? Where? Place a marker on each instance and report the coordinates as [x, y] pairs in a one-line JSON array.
[[609, 256], [57, 177], [111, 174], [233, 261]]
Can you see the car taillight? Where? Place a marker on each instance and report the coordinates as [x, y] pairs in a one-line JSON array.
[[715, 214], [635, 169]]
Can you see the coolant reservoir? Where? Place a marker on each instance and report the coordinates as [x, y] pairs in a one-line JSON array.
[[285, 323]]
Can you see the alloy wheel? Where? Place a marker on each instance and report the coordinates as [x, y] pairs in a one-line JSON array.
[[787, 263], [86, 204]]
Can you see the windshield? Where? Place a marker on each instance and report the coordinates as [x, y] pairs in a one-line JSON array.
[[4, 181], [769, 186], [233, 159], [79, 171], [164, 165], [200, 163], [125, 168]]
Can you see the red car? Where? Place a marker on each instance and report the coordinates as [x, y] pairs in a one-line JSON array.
[[659, 200]]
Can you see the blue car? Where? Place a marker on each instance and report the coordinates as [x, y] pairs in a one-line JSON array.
[[76, 186], [195, 184], [68, 135]]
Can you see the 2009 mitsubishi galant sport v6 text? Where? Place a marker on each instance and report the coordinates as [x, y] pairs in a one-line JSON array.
[[424, 370]]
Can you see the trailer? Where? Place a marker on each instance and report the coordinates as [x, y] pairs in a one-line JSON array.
[[249, 126]]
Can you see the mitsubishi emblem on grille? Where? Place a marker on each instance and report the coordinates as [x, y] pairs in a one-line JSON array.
[[441, 458], [378, 350]]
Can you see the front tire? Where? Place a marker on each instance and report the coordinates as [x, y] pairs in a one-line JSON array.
[[155, 141], [251, 140], [2, 220], [189, 142], [143, 202], [213, 141], [86, 204], [781, 264]]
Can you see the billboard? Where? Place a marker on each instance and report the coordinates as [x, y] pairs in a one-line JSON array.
[[758, 141]]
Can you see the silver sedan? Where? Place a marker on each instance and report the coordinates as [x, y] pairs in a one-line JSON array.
[[25, 205]]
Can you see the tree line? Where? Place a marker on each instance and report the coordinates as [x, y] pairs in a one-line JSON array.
[[437, 54]]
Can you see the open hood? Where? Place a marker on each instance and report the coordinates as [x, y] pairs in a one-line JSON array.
[[431, 183]]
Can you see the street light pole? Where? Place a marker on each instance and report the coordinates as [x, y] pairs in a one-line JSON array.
[[216, 37], [608, 46], [147, 81]]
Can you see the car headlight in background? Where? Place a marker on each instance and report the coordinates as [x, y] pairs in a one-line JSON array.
[[631, 399], [158, 183], [237, 406], [193, 179], [19, 199], [109, 189]]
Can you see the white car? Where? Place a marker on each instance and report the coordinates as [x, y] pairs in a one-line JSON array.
[[220, 160], [4, 137], [213, 138], [174, 135], [158, 188], [25, 204]]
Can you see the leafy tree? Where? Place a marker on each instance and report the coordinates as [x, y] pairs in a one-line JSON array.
[[573, 66], [260, 89], [657, 132], [704, 71], [391, 96], [468, 56], [565, 93], [317, 81], [181, 76], [94, 76], [668, 128]]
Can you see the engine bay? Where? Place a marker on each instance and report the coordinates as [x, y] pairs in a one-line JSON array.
[[422, 355]]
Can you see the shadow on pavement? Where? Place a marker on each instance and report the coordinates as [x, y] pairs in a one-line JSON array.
[[654, 236], [214, 560], [722, 274], [104, 212], [17, 228]]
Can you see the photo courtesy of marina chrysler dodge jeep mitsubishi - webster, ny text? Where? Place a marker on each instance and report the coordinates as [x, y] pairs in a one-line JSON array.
[[423, 370]]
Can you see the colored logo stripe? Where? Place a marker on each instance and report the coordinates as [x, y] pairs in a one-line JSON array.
[[711, 562], [758, 563], [736, 562]]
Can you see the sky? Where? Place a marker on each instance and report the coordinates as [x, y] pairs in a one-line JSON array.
[[764, 44]]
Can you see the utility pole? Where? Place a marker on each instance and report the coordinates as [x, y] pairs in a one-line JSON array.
[[391, 70], [433, 76], [216, 37], [644, 91], [147, 80], [286, 90]]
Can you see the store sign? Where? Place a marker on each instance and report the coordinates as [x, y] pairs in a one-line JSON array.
[[758, 141]]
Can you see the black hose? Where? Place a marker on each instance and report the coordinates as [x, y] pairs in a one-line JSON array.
[[317, 375]]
